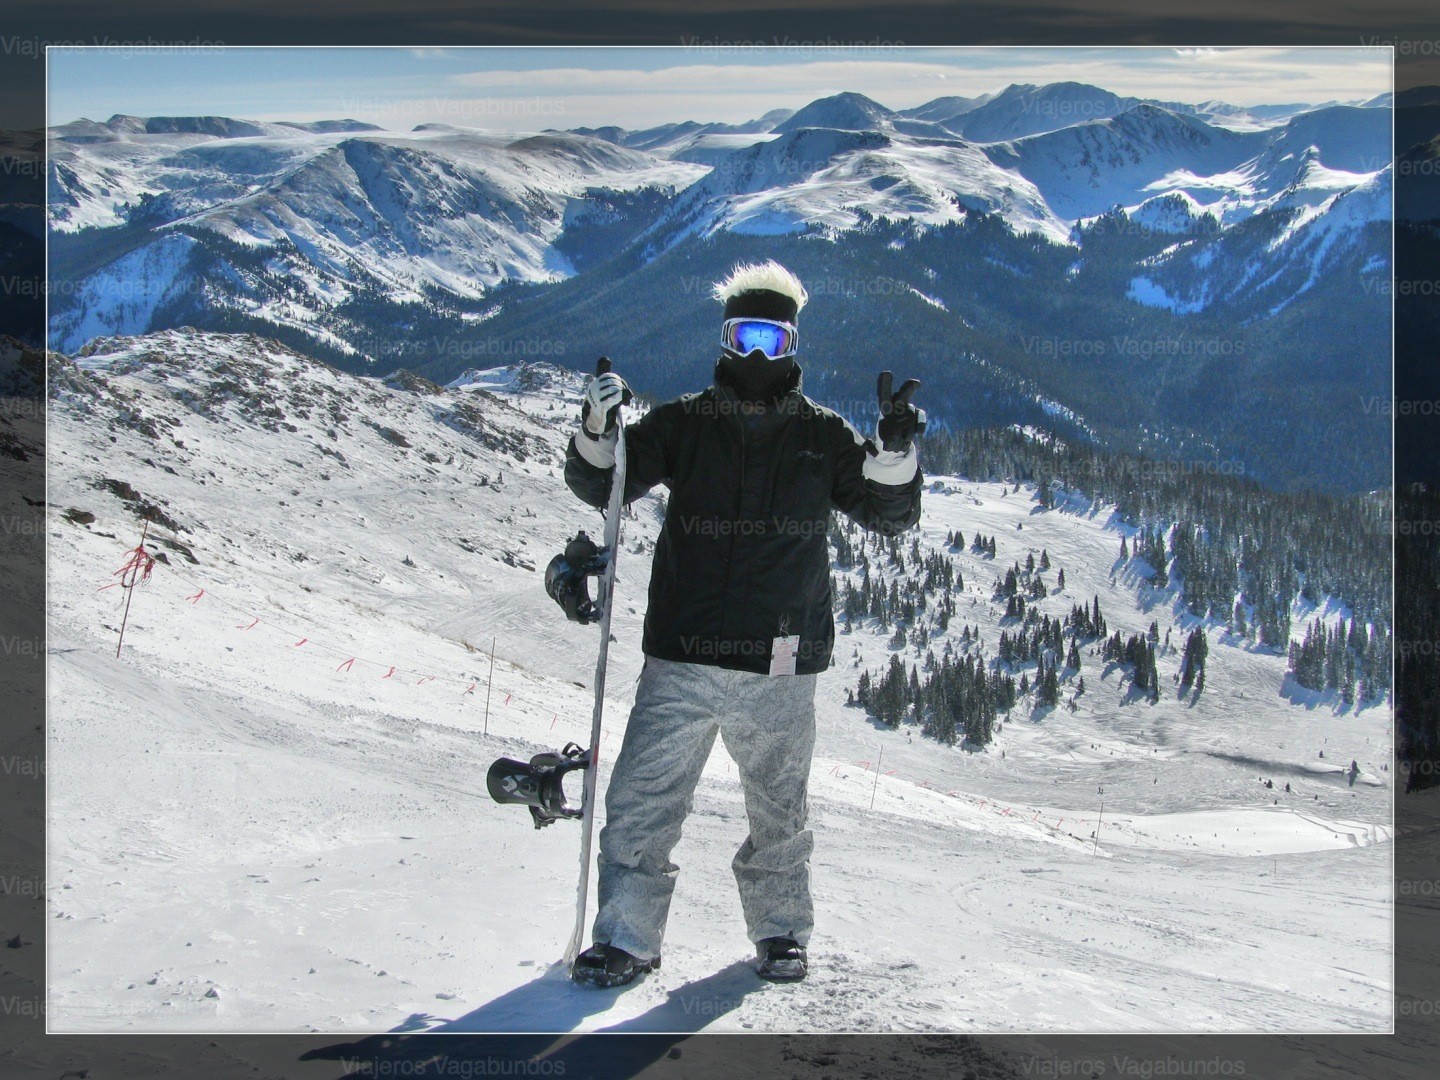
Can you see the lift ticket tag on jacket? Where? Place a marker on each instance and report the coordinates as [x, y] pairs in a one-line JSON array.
[[782, 654]]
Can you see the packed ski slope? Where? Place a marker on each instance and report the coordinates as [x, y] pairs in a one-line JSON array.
[[246, 832]]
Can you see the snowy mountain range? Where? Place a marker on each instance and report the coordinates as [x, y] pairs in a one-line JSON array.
[[344, 207], [269, 812], [285, 224], [434, 248]]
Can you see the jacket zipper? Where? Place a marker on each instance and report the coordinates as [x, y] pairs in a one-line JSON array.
[[739, 505]]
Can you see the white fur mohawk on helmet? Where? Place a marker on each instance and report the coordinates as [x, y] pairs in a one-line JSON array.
[[769, 276]]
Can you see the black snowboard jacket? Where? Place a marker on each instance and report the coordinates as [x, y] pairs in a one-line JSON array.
[[743, 555]]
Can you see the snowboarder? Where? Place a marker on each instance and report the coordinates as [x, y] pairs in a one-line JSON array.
[[739, 622]]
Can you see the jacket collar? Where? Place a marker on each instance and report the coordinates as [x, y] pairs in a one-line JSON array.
[[792, 400]]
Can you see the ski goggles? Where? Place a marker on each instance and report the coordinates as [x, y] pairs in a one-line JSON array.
[[774, 339]]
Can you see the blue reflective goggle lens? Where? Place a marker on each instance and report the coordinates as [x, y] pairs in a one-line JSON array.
[[774, 339]]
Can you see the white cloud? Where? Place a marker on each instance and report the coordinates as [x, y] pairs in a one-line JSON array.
[[746, 86], [640, 87]]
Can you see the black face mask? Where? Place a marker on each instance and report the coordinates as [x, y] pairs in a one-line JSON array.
[[755, 376]]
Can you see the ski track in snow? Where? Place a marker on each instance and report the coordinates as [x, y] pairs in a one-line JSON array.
[[243, 837]]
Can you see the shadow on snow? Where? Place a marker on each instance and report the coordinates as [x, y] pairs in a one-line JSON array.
[[550, 1001]]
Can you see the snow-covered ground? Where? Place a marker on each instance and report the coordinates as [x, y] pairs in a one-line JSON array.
[[248, 833]]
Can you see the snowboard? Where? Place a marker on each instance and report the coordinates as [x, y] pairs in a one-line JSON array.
[[605, 601]]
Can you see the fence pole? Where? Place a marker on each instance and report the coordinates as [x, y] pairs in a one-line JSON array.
[[130, 591], [488, 684]]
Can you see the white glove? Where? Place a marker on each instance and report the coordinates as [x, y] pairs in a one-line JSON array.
[[892, 467], [603, 396]]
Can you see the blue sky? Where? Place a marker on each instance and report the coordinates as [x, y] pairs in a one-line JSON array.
[[521, 88]]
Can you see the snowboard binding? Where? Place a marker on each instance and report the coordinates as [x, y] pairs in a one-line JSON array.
[[538, 783], [567, 578]]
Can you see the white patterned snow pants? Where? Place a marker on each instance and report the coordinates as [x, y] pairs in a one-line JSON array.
[[768, 724]]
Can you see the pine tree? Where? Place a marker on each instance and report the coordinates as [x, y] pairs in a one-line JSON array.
[[1192, 664], [1047, 684], [893, 693]]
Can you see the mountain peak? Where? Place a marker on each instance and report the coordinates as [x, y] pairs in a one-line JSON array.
[[1024, 109], [848, 112], [1015, 89], [775, 116]]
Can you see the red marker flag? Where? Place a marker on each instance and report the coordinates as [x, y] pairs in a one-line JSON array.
[[136, 568]]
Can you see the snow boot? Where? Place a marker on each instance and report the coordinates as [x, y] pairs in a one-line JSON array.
[[604, 966], [781, 959]]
